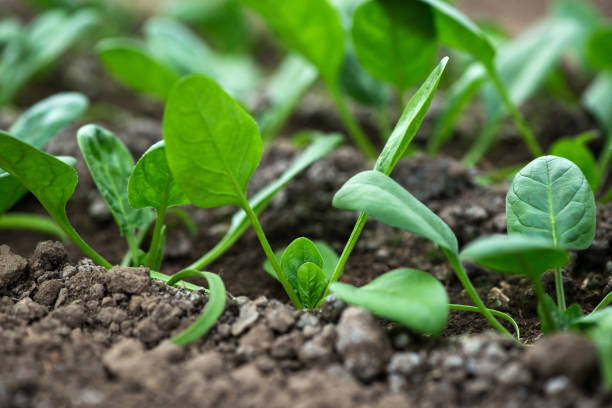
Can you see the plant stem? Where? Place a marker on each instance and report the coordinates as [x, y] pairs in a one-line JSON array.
[[34, 222], [541, 295], [76, 238], [467, 284], [348, 248], [132, 245], [559, 290], [604, 302], [154, 248], [269, 253], [349, 121], [466, 308], [519, 121], [127, 258]]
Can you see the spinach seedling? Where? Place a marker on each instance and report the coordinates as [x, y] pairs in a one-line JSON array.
[[313, 29], [36, 126], [25, 51]]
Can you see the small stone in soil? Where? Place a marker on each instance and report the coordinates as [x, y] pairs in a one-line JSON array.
[[49, 255], [12, 266], [128, 280]]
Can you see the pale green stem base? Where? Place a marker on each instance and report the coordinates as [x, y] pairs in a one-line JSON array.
[[33, 222], [559, 290], [497, 313]]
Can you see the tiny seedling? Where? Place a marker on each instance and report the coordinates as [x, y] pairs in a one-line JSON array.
[[36, 126], [550, 209], [25, 51]]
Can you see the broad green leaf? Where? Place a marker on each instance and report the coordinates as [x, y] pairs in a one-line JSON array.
[[322, 145], [561, 321], [395, 40], [377, 195], [44, 119], [360, 85], [283, 93], [110, 164], [599, 48], [50, 180], [173, 44], [311, 284], [151, 184], [576, 151], [550, 198], [456, 30], [299, 252], [329, 255], [409, 122], [213, 309], [516, 254], [410, 297], [36, 126], [597, 100], [310, 27], [134, 67], [212, 145]]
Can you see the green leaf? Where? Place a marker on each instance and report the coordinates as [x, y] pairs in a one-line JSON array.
[[110, 164], [378, 196], [322, 145], [551, 198], [151, 184], [597, 100], [36, 126], [284, 91], [599, 48], [456, 30], [212, 145], [311, 284], [360, 85], [133, 65], [410, 297], [598, 326], [310, 27], [409, 122], [213, 309], [177, 47], [297, 253], [50, 180], [45, 118], [516, 254], [395, 40], [576, 151], [329, 255]]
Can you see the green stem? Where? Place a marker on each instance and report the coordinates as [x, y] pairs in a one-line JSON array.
[[211, 255], [467, 284], [605, 160], [269, 253], [559, 290], [604, 302], [166, 278], [132, 245], [127, 258], [541, 295], [519, 121], [154, 248], [466, 308], [348, 248], [349, 121], [34, 222], [76, 238]]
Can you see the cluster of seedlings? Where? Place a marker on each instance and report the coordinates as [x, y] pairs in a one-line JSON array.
[[372, 51]]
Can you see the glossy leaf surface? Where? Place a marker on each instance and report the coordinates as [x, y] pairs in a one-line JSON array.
[[212, 145], [329, 255], [297, 253], [311, 284], [410, 297], [310, 27], [379, 196], [576, 150], [151, 184], [550, 198], [395, 40], [110, 164], [516, 254]]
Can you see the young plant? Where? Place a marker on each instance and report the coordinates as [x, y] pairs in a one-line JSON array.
[[36, 126], [550, 209], [25, 51]]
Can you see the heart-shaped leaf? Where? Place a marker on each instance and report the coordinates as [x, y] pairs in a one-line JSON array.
[[550, 198], [410, 297], [299, 252], [311, 284]]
